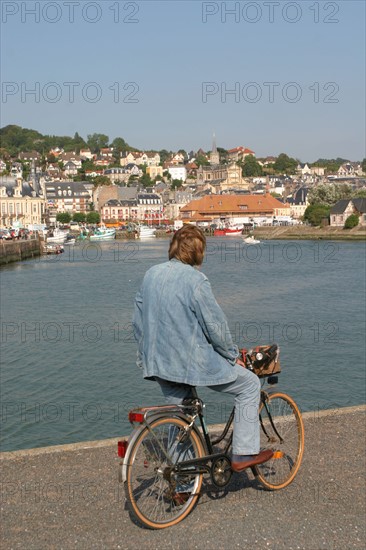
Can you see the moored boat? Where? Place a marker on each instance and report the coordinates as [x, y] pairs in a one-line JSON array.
[[53, 248], [57, 236], [102, 233], [145, 232], [251, 240], [227, 232]]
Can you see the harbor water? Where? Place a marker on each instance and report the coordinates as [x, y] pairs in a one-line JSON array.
[[68, 370]]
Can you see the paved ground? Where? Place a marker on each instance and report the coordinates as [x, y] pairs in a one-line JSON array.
[[69, 497]]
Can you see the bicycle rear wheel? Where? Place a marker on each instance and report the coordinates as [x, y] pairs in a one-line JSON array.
[[157, 497], [287, 444]]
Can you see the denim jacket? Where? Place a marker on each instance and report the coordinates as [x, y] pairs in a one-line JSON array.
[[182, 332]]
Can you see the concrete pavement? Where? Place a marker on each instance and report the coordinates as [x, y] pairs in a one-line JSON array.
[[68, 497]]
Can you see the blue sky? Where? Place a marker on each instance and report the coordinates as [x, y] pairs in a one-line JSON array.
[[272, 76]]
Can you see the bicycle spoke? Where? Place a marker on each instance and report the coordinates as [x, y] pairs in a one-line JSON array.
[[282, 431], [151, 484]]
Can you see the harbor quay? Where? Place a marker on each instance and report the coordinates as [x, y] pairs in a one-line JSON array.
[[68, 497]]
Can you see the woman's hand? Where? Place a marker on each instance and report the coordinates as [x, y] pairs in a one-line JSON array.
[[240, 362]]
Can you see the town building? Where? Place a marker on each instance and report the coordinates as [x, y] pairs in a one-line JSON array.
[[298, 202], [178, 172], [30, 156], [350, 169], [154, 171], [21, 202], [221, 177], [149, 159], [344, 208], [133, 205], [239, 154], [243, 206], [67, 196]]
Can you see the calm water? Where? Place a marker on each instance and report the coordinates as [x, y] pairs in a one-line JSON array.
[[68, 355]]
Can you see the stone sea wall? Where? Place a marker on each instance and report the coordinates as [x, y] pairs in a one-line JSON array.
[[14, 251]]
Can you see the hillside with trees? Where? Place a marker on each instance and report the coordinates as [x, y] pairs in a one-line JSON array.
[[14, 140]]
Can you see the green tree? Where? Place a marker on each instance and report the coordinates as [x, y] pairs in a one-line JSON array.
[[285, 164], [102, 180], [79, 217], [329, 194], [176, 184], [351, 221], [251, 167], [223, 155], [164, 155], [146, 181], [63, 217], [331, 165], [93, 217], [201, 160], [315, 213], [97, 141], [119, 146], [363, 165]]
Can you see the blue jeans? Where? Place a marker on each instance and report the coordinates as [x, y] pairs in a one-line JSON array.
[[246, 391]]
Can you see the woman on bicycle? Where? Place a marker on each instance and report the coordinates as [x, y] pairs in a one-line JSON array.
[[184, 340]]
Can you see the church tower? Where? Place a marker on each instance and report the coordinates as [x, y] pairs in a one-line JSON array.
[[214, 155]]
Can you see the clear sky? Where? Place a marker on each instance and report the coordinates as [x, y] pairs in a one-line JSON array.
[[274, 76]]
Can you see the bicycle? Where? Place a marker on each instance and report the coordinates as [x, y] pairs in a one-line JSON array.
[[167, 454]]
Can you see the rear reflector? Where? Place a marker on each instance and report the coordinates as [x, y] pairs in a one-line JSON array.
[[278, 454], [135, 417], [122, 448]]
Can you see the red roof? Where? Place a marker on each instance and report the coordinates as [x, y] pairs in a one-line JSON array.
[[241, 149], [243, 205]]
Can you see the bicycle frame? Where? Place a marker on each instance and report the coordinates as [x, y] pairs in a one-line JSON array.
[[195, 405]]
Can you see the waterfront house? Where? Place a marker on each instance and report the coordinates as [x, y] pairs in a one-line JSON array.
[[104, 193], [211, 207], [344, 208], [298, 202], [67, 196], [132, 205], [21, 202]]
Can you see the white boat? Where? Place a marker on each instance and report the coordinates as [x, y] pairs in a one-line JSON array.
[[251, 240], [70, 240], [57, 236], [145, 231], [102, 233]]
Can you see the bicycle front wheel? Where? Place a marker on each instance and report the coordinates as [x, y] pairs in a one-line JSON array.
[[282, 431], [157, 497]]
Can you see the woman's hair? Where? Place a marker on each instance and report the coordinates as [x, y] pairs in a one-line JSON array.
[[188, 245]]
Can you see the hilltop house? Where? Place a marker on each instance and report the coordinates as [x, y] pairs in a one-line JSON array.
[[239, 153], [350, 169], [149, 159]]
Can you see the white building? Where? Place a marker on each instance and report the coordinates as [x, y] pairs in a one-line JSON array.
[[178, 172]]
